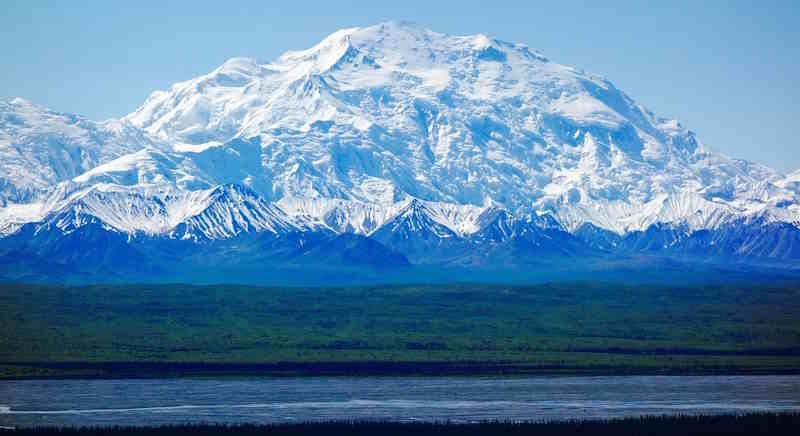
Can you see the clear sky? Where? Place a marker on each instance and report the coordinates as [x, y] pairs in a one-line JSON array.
[[726, 69]]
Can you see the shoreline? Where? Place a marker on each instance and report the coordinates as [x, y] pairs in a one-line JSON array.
[[768, 423], [131, 370]]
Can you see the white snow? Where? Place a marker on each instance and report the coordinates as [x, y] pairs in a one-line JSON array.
[[586, 110]]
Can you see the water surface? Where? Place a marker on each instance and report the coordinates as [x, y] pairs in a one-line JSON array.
[[458, 399]]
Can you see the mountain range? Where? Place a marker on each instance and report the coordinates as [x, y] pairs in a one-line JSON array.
[[379, 151]]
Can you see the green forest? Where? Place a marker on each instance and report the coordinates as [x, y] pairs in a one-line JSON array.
[[51, 330]]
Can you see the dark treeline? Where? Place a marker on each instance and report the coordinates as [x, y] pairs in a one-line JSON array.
[[363, 368], [789, 351], [777, 424]]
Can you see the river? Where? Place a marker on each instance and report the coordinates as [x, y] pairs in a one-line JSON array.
[[456, 399]]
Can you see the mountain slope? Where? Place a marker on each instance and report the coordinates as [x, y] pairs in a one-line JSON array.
[[39, 147]]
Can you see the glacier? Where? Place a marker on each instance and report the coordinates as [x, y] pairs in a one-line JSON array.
[[462, 150]]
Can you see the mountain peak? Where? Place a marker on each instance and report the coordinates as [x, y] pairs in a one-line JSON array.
[[242, 66], [325, 53], [394, 29], [415, 210]]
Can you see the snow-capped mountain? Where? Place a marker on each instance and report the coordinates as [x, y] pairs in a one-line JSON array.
[[374, 113], [426, 143]]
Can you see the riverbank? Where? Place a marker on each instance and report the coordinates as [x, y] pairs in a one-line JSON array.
[[774, 424], [122, 370]]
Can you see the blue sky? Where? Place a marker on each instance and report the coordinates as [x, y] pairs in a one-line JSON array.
[[727, 70]]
